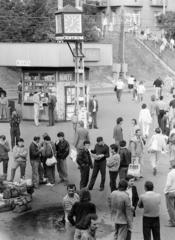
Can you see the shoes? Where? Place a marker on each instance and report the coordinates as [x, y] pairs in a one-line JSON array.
[[95, 127], [101, 189], [89, 188], [50, 184], [170, 225], [60, 181]]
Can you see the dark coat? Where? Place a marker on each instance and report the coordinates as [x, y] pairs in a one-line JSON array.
[[125, 157], [34, 152], [62, 149], [135, 198], [91, 105], [84, 158]]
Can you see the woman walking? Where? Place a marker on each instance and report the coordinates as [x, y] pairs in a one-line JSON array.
[[145, 120], [156, 147]]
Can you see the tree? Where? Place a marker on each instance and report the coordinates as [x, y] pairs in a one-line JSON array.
[[167, 22]]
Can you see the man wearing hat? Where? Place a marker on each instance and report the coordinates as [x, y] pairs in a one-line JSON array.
[[170, 194]]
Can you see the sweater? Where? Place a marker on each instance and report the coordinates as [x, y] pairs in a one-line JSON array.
[[170, 183], [20, 154], [34, 152], [4, 149], [101, 149], [113, 163], [84, 158]]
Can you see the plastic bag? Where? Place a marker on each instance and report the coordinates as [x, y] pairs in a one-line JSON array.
[[73, 155], [134, 170]]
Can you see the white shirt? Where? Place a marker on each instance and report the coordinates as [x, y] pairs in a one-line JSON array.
[[36, 98], [170, 183], [131, 80], [141, 89], [119, 85], [145, 116], [129, 191], [95, 106]]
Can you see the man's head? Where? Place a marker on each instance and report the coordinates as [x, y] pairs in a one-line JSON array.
[[114, 148], [130, 180], [45, 134], [36, 139], [161, 98], [47, 139], [60, 136], [123, 143], [122, 186], [153, 98], [134, 122], [119, 121], [2, 138], [158, 130], [20, 142], [144, 106], [149, 186], [100, 141], [94, 97], [71, 189], [85, 195], [86, 144]]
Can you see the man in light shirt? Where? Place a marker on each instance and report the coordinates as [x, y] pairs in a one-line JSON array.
[[119, 89], [36, 100], [150, 202], [170, 194]]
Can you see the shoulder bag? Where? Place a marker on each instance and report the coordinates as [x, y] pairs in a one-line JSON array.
[[52, 160]]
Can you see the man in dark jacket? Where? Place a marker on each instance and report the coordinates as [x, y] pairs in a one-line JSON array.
[[35, 160], [83, 211], [51, 106], [62, 151], [14, 128], [125, 160], [100, 152], [93, 109], [4, 157], [85, 163]]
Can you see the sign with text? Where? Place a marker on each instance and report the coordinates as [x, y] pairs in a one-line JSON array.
[[23, 63]]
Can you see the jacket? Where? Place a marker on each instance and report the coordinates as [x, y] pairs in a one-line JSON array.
[[136, 146], [62, 149], [91, 105], [84, 158], [15, 121], [4, 149], [118, 133], [135, 199], [34, 152], [20, 154], [120, 205], [49, 150], [113, 163], [125, 157], [81, 135]]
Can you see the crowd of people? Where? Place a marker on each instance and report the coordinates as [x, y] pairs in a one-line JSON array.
[[122, 159]]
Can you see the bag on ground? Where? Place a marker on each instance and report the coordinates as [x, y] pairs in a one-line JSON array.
[[134, 169]]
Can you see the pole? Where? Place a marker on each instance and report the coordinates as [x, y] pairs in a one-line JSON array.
[[164, 7], [60, 4]]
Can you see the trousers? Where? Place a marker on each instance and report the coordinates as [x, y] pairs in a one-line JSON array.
[[123, 172], [113, 178], [62, 169], [145, 128], [51, 116], [154, 158], [15, 135], [119, 94], [37, 172], [98, 166], [151, 224], [84, 179], [36, 114], [5, 165], [94, 119], [51, 174], [18, 164], [82, 235], [170, 202], [121, 231]]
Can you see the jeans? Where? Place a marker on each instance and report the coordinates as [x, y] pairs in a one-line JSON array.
[[119, 94], [16, 164], [36, 114], [62, 169], [121, 231], [84, 172], [151, 224], [81, 235], [160, 116], [5, 165], [51, 174], [37, 172], [15, 135], [170, 202], [51, 116], [123, 172], [94, 119], [98, 166], [113, 178]]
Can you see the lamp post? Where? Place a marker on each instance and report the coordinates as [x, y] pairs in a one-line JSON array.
[[69, 30]]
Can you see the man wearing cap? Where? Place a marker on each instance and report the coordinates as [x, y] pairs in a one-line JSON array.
[[170, 194], [93, 109]]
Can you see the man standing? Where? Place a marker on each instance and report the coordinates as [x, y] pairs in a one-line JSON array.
[[35, 160], [125, 160], [118, 131], [19, 92], [14, 128], [100, 152], [4, 157], [93, 109], [83, 211], [170, 194], [150, 202], [36, 100], [121, 211], [81, 135], [51, 106], [158, 83], [162, 107], [119, 89], [85, 163], [62, 151]]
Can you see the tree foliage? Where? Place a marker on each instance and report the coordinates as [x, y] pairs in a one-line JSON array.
[[167, 22], [34, 21]]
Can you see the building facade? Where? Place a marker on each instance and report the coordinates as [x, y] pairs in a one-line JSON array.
[[141, 13]]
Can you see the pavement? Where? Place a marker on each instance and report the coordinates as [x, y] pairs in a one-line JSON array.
[[109, 110]]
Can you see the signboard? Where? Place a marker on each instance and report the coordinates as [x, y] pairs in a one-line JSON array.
[[23, 63], [69, 38]]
